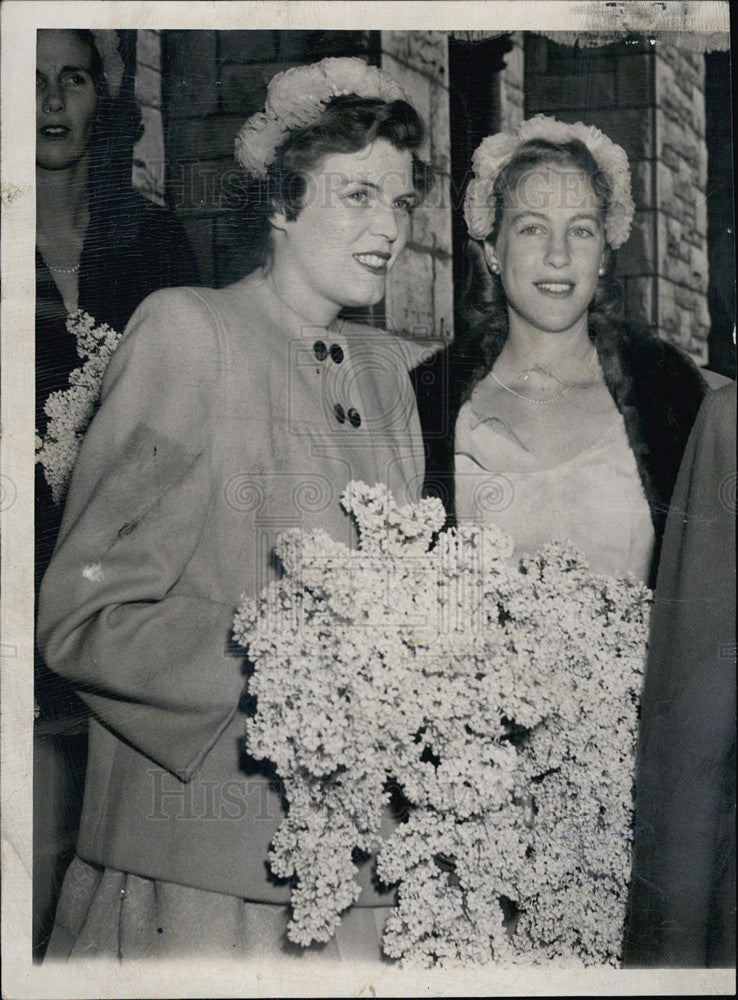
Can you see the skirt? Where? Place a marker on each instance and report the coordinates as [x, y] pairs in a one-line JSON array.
[[107, 913]]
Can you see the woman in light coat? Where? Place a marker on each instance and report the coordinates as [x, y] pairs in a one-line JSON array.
[[227, 417]]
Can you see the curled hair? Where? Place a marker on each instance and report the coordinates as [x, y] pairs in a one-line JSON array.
[[348, 124], [484, 307]]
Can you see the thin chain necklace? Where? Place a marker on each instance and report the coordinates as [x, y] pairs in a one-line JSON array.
[[559, 395]]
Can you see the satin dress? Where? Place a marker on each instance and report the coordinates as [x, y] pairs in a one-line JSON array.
[[593, 499]]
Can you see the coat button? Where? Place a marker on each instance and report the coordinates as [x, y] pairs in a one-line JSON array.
[[320, 350], [339, 412], [337, 353], [354, 417]]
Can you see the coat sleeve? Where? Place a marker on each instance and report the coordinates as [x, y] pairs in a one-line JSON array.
[[149, 652], [682, 894]]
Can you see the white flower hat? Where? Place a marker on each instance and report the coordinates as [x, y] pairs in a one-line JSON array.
[[298, 97], [496, 150]]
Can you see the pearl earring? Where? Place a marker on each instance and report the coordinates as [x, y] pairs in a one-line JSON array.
[[601, 272], [495, 268]]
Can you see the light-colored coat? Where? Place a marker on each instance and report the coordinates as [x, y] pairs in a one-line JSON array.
[[217, 430]]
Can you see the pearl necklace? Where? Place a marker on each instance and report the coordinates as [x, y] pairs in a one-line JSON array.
[[559, 395], [61, 270]]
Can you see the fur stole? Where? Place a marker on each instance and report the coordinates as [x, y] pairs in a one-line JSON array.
[[656, 388]]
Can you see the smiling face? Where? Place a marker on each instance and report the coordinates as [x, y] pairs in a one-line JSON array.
[[354, 222], [66, 99], [549, 249]]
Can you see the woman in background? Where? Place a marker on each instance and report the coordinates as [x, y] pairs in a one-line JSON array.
[[100, 247]]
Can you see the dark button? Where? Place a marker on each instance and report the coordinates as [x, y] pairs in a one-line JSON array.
[[354, 417], [320, 350], [127, 528], [339, 412], [337, 353]]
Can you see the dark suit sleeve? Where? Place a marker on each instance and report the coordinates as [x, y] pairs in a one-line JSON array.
[[682, 900], [115, 615]]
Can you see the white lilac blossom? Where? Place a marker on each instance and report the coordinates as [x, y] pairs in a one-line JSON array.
[[70, 410], [498, 699]]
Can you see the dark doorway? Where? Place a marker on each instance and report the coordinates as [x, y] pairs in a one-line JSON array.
[[474, 113]]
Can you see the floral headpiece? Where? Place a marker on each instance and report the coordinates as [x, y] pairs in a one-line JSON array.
[[495, 151], [298, 97]]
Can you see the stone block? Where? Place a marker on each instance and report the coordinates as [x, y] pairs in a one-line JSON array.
[[243, 88], [693, 64], [200, 234], [698, 349], [676, 134], [700, 216], [683, 189], [248, 46], [670, 241], [536, 54], [554, 92], [148, 48], [443, 298], [638, 255], [674, 70], [634, 80], [703, 310], [642, 177], [631, 128], [197, 187], [204, 137], [701, 164], [678, 111], [665, 180], [685, 299], [640, 296], [698, 112], [309, 46], [438, 125], [691, 237], [148, 86], [431, 228], [149, 157], [192, 73], [700, 266], [409, 299], [515, 62], [231, 192], [675, 270], [670, 157]]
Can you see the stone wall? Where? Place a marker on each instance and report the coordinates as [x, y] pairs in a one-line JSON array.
[[419, 299], [148, 154], [648, 97], [511, 83]]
